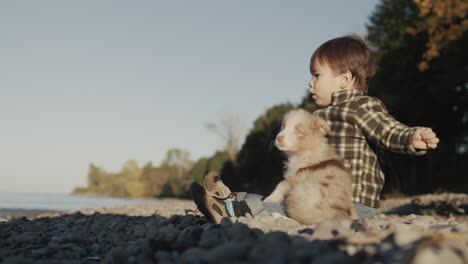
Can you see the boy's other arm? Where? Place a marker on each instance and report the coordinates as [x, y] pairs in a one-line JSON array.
[[424, 138], [377, 125]]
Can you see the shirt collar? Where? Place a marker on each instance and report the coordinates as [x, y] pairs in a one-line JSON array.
[[344, 95]]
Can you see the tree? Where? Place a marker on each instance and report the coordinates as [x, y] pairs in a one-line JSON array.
[[205, 165], [176, 157], [230, 128], [443, 21], [177, 166], [434, 97]]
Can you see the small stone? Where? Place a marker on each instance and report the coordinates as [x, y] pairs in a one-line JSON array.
[[40, 252], [367, 225], [351, 249], [208, 226], [409, 217], [25, 238], [243, 220], [461, 227], [256, 233], [424, 221], [188, 237], [382, 216], [167, 234], [132, 250], [276, 238], [400, 227], [249, 216], [131, 260], [225, 223], [152, 232], [163, 256], [451, 220], [209, 239], [332, 229], [187, 220], [95, 249], [193, 255], [308, 231], [333, 257], [440, 227], [267, 220], [254, 223], [286, 222], [403, 238], [433, 256], [174, 218], [139, 231], [81, 221], [229, 251]]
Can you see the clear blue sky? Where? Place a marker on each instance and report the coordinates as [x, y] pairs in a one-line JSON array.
[[106, 81]]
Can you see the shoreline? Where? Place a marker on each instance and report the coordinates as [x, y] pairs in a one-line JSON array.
[[173, 231], [21, 212]]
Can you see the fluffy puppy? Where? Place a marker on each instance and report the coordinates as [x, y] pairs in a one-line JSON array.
[[317, 185]]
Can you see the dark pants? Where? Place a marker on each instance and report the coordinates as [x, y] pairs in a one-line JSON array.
[[260, 208]]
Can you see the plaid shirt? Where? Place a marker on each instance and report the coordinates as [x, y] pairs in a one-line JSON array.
[[356, 120]]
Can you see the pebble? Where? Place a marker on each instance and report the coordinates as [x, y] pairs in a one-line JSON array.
[[134, 234]]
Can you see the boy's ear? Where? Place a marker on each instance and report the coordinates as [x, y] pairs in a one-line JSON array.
[[321, 126], [346, 79]]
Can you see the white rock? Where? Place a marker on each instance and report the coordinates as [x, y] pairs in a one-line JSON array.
[[243, 220], [332, 229], [403, 238], [423, 221], [444, 255]]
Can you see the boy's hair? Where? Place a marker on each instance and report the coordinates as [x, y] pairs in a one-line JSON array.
[[348, 53]]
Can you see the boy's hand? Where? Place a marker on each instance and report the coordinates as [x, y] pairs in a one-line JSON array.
[[424, 138]]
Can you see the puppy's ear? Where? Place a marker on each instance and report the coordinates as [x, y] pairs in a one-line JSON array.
[[321, 126]]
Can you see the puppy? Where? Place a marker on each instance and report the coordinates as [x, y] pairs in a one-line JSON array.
[[317, 185]]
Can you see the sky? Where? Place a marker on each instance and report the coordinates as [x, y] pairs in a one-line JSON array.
[[105, 81]]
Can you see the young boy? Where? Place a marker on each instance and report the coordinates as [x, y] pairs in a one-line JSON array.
[[340, 69]]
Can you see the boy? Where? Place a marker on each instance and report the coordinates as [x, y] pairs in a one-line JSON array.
[[340, 69]]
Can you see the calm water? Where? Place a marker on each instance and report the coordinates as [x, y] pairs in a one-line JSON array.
[[59, 202]]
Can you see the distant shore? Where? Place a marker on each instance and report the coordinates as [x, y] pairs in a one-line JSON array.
[[17, 204], [19, 212]]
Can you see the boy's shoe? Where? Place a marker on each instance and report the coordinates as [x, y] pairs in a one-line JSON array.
[[215, 187], [212, 207]]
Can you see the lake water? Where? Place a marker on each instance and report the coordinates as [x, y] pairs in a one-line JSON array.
[[13, 203]]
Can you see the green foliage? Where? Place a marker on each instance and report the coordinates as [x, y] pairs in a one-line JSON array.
[[199, 170], [176, 158], [205, 165], [171, 179]]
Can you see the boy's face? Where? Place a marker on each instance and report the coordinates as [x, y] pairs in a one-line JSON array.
[[324, 82]]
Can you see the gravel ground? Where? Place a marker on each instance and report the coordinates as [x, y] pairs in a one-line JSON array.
[[421, 229]]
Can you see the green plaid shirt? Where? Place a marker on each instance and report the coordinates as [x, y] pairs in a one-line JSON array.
[[355, 119]]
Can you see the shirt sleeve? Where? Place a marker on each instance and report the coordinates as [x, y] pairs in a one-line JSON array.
[[377, 125]]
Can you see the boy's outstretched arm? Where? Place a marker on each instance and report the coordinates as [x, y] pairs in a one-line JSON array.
[[424, 138]]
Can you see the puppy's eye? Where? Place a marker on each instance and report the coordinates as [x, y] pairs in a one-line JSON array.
[[299, 132]]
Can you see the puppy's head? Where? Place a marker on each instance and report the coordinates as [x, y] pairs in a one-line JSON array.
[[301, 131]]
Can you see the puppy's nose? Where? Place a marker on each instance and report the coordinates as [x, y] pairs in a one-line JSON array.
[[280, 138]]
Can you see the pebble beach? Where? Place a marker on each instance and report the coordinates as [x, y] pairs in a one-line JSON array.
[[421, 229]]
